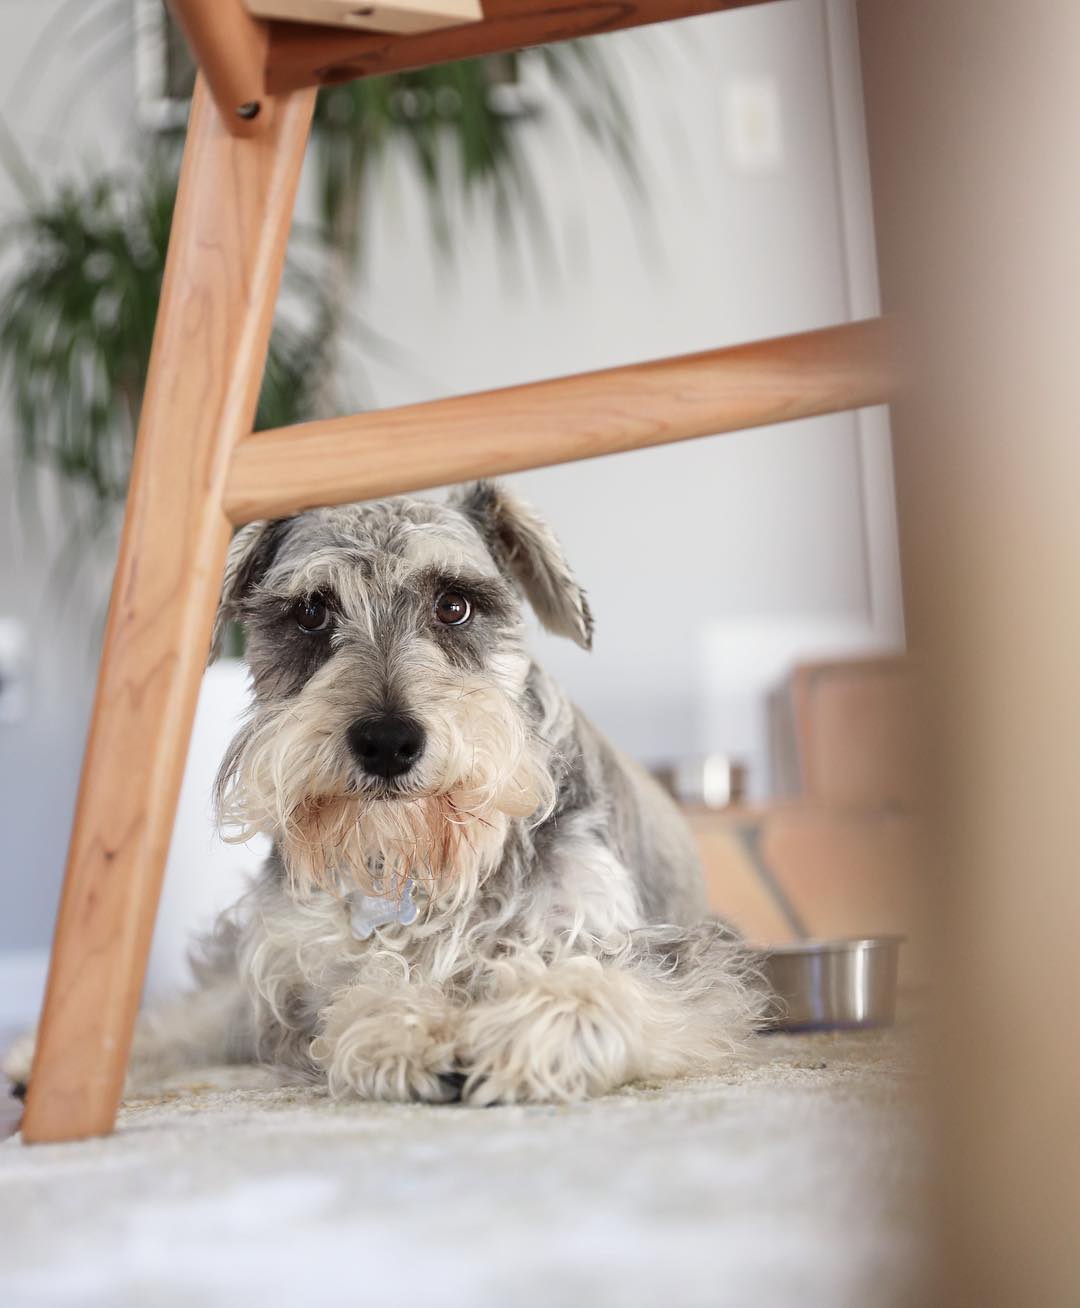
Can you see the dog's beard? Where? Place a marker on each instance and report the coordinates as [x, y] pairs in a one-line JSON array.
[[286, 775]]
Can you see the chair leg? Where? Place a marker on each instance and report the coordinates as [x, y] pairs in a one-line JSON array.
[[226, 251]]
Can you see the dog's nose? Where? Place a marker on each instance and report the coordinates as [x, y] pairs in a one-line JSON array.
[[387, 744]]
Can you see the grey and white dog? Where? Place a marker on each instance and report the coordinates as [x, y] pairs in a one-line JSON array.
[[471, 893]]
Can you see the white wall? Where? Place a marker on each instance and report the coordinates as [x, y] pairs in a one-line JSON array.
[[765, 524], [67, 122], [674, 544]]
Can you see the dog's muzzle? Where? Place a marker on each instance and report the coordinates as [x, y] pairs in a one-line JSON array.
[[387, 744]]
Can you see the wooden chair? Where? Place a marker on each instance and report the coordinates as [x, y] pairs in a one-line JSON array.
[[199, 471]]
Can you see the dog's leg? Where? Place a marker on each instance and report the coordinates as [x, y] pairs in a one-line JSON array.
[[206, 1028], [17, 1061], [392, 1044], [210, 1026], [582, 1026]]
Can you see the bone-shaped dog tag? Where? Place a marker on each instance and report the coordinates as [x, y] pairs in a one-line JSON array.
[[367, 912]]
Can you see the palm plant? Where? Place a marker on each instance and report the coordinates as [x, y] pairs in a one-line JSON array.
[[79, 305]]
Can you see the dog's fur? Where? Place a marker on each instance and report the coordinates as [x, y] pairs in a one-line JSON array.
[[561, 947]]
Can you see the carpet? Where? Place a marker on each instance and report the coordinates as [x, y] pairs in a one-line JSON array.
[[794, 1180]]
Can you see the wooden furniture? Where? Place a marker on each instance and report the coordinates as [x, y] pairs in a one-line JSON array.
[[973, 124], [199, 471], [839, 849], [402, 16]]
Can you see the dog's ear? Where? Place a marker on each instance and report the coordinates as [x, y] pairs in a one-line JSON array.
[[250, 555], [524, 546]]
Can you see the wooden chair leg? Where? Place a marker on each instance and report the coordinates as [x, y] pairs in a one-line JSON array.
[[233, 213], [972, 118]]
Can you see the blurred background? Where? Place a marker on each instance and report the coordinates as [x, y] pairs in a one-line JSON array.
[[472, 227]]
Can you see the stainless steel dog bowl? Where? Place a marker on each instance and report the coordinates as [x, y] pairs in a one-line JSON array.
[[823, 984]]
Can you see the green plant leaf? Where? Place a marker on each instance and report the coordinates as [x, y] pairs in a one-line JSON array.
[[88, 253]]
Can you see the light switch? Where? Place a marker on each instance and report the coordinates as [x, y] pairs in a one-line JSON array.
[[755, 134]]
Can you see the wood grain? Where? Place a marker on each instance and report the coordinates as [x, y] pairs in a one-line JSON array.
[[305, 56], [973, 125], [230, 47], [400, 16], [445, 441], [232, 219]]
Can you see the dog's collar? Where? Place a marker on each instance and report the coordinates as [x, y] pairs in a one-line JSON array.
[[367, 912]]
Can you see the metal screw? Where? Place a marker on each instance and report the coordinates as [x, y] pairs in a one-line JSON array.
[[249, 109]]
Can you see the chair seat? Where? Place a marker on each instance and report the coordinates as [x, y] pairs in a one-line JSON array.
[[402, 17]]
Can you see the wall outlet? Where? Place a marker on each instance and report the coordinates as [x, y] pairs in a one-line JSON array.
[[14, 644], [755, 136]]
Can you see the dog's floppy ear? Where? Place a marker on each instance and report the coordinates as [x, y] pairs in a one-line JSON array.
[[525, 547], [250, 555]]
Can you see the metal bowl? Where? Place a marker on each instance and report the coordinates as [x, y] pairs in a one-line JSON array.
[[821, 985]]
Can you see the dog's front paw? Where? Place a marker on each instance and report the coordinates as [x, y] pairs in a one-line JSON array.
[[17, 1062], [557, 1038], [390, 1048]]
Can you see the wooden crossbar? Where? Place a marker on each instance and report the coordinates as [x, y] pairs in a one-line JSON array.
[[248, 60], [444, 441], [302, 55]]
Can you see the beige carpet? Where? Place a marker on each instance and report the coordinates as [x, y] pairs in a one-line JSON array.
[[792, 1181]]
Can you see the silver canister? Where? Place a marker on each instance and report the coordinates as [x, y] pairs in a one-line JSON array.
[[705, 780]]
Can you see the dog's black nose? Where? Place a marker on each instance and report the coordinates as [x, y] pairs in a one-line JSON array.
[[386, 745]]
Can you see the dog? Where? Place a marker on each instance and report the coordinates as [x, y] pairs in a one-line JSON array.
[[472, 895]]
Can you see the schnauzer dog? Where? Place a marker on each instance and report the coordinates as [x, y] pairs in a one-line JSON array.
[[472, 895]]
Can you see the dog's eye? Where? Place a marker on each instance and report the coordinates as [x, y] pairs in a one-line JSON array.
[[452, 609], [312, 614]]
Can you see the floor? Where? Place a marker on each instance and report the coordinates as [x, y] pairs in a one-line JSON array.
[[791, 1181]]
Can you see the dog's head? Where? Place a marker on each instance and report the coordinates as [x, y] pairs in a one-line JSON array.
[[390, 734]]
